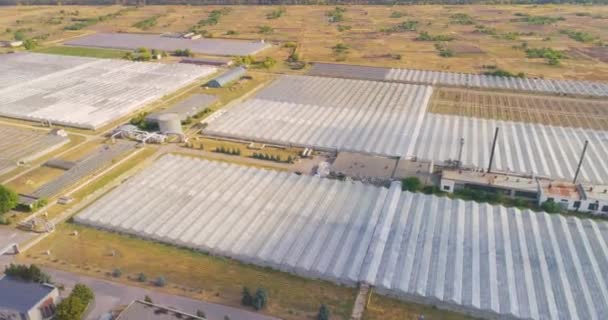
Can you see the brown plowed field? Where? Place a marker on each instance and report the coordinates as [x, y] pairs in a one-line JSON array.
[[581, 113]]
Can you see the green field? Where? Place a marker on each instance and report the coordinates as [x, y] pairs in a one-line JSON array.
[[84, 52]]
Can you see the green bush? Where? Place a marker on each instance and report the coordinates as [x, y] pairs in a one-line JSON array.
[[551, 206], [260, 299], [425, 36], [461, 18], [247, 298], [579, 36], [70, 308], [141, 277], [116, 273], [84, 293], [8, 199], [397, 14], [160, 281], [412, 184], [275, 14], [323, 313], [336, 15], [28, 273]]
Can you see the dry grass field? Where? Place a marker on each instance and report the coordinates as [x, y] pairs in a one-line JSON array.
[[550, 110], [482, 36], [187, 272]]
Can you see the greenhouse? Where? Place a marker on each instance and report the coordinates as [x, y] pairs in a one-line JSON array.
[[85, 92], [481, 259]]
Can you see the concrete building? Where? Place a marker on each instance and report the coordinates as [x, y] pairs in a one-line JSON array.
[[576, 197], [141, 310], [508, 185], [23, 300], [572, 197], [227, 77]]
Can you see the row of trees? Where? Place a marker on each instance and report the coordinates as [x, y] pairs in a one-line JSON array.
[[269, 157], [28, 273]]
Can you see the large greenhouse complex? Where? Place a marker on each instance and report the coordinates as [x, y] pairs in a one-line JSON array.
[[481, 259], [85, 92], [391, 119], [470, 80]]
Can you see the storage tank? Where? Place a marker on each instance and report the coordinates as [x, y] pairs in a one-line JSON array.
[[169, 123]]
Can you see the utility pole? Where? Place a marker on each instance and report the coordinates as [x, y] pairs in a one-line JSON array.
[[580, 162], [493, 150]]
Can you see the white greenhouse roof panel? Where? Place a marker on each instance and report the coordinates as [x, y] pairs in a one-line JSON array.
[[87, 93], [19, 144], [523, 148], [391, 119], [482, 259], [589, 88], [220, 47], [331, 114]]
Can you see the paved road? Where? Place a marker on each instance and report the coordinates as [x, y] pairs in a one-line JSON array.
[[9, 235], [109, 295]]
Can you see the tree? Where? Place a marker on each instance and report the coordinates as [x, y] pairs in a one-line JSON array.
[[551, 206], [70, 308], [247, 299], [160, 281], [84, 293], [323, 313], [148, 299], [412, 184], [201, 313], [260, 299], [116, 273], [27, 273], [8, 199], [141, 277]]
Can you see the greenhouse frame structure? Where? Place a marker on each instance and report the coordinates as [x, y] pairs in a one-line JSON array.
[[481, 259]]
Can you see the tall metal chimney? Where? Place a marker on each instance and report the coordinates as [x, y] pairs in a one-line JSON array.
[[493, 150], [459, 163], [580, 162]]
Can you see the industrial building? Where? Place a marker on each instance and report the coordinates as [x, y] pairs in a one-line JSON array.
[[86, 93], [484, 260], [132, 41], [20, 146], [469, 80], [26, 300], [227, 77], [188, 107]]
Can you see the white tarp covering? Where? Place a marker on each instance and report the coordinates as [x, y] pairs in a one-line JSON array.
[[390, 119], [483, 259], [85, 92]]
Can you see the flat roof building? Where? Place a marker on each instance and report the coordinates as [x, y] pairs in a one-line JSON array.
[[26, 300], [510, 185]]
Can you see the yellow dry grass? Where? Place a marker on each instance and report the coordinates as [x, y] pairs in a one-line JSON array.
[[187, 272], [310, 28], [384, 308]]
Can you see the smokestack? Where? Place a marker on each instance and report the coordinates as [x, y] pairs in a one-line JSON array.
[[493, 150], [460, 152], [580, 162]]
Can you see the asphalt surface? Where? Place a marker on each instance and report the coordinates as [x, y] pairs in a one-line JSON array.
[[8, 236], [110, 295]]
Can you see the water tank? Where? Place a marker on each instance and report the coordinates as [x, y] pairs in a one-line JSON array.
[[169, 123]]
